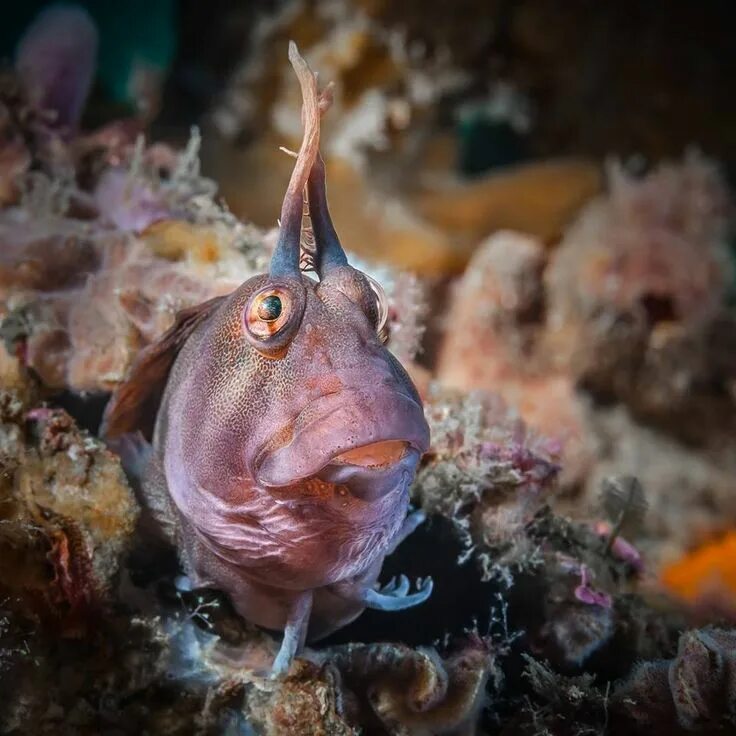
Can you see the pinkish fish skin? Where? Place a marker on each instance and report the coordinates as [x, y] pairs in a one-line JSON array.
[[245, 470]]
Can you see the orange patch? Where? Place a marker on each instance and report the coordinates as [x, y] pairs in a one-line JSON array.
[[708, 569]]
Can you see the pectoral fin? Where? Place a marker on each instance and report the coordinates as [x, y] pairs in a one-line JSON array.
[[134, 404]]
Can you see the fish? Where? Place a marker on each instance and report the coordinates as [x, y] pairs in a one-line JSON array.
[[275, 436]]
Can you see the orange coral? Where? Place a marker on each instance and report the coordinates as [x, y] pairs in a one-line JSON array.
[[708, 569]]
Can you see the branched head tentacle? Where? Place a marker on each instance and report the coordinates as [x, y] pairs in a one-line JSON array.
[[285, 260]]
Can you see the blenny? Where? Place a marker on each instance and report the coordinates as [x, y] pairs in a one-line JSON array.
[[284, 434]]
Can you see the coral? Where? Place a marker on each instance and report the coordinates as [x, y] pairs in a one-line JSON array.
[[693, 693], [82, 297], [569, 593], [484, 471], [415, 691], [567, 589], [62, 488], [589, 606], [494, 340], [637, 290], [309, 701], [617, 344], [706, 573], [495, 313]]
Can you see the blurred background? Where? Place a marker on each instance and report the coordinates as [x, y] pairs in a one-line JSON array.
[[446, 111]]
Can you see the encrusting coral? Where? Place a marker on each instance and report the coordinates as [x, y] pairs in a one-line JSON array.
[[617, 343], [638, 291], [66, 508], [502, 296], [484, 470], [693, 693]]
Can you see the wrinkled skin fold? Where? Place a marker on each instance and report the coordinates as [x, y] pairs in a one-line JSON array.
[[286, 435]]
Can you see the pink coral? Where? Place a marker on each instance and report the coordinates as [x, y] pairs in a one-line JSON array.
[[637, 291], [495, 340], [658, 237]]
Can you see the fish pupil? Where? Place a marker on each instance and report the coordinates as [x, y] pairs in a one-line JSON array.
[[269, 309]]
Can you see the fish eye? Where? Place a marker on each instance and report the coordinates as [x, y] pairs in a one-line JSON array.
[[269, 308], [381, 309], [268, 312]]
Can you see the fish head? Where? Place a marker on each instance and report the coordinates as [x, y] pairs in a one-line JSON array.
[[300, 391]]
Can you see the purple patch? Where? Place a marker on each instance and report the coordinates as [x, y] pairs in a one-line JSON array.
[[56, 59], [128, 203], [585, 594]]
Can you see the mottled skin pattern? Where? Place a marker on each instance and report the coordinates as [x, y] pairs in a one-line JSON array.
[[248, 472]]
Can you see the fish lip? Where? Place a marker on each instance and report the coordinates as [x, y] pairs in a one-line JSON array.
[[403, 421]]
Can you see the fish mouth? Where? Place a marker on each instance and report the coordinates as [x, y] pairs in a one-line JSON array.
[[375, 455], [370, 444]]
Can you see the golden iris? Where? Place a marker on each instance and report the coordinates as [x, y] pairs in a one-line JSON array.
[[269, 309]]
